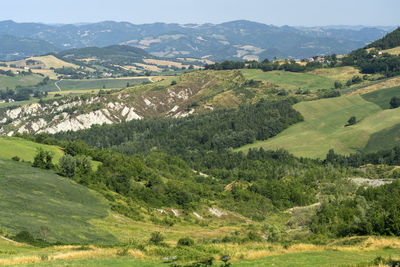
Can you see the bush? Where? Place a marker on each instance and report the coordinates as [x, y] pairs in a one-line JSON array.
[[186, 241], [395, 102], [351, 121], [16, 158], [24, 237], [156, 238]]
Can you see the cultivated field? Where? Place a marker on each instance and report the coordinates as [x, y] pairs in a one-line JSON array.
[[382, 97], [19, 80], [92, 84], [290, 80], [393, 51], [324, 127]]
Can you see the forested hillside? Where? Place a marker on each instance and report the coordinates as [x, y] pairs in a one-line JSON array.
[[391, 40]]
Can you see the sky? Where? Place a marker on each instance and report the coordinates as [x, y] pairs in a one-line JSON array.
[[276, 12]]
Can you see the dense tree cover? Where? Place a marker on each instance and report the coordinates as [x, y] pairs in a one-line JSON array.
[[387, 157], [373, 211], [391, 40], [373, 62], [216, 130], [266, 65]]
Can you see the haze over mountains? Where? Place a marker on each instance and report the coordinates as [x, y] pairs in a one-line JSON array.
[[238, 40]]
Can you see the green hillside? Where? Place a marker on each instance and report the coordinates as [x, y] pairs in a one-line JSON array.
[[19, 80], [382, 97], [31, 198], [24, 149], [92, 84], [391, 40], [384, 139], [324, 127], [290, 80]]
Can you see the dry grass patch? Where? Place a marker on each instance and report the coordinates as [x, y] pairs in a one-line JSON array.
[[148, 67], [393, 82], [393, 51]]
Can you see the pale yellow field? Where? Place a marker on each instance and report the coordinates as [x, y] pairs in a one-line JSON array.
[[51, 61], [393, 51], [51, 74], [342, 74], [148, 67], [206, 61], [167, 63], [393, 82]]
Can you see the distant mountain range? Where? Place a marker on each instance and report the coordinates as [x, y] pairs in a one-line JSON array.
[[238, 40]]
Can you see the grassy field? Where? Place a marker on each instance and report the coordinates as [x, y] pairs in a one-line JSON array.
[[21, 80], [32, 198], [382, 97], [322, 258], [26, 150], [342, 74], [92, 84], [384, 139], [393, 51], [267, 255], [323, 127], [290, 80], [373, 86]]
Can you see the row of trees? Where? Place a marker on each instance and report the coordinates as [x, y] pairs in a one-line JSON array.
[[266, 65]]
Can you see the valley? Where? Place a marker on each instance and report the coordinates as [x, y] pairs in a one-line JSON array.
[[156, 150]]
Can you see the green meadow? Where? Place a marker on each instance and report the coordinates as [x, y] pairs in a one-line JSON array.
[[290, 80], [32, 198], [19, 80], [324, 127], [24, 149]]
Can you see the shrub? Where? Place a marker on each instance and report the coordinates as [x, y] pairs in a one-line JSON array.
[[351, 121], [186, 241], [395, 102], [24, 237], [156, 238], [16, 158]]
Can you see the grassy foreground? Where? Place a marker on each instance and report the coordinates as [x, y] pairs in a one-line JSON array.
[[13, 254], [32, 198]]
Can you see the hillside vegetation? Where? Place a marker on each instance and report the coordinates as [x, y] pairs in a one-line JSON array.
[[24, 149], [324, 127], [33, 198], [391, 40]]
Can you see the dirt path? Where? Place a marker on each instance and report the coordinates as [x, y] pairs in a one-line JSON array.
[[9, 240], [56, 84]]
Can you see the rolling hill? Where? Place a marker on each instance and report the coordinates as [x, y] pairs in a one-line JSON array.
[[324, 126], [230, 40], [17, 47], [32, 198]]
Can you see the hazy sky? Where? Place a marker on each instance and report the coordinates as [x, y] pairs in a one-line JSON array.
[[277, 12]]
